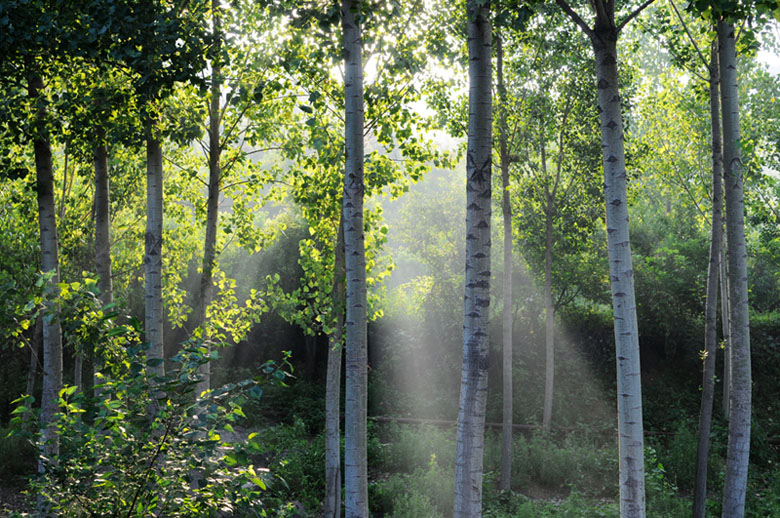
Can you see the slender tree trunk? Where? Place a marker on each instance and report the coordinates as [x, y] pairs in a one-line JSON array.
[[711, 306], [355, 466], [35, 358], [102, 241], [629, 388], [549, 313], [726, 325], [474, 372], [212, 209], [332, 502], [735, 484], [506, 310], [153, 321], [52, 338], [78, 366]]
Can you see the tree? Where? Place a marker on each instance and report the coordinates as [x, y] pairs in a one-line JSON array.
[[506, 309], [473, 393], [604, 36], [735, 484], [355, 440]]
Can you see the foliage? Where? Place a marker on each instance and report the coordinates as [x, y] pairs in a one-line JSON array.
[[296, 460], [147, 445]]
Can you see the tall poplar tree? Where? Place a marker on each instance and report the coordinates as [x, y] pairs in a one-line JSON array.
[[356, 402], [603, 37], [737, 457], [474, 371]]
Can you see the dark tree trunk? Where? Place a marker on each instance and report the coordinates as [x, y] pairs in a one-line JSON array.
[[506, 310], [711, 306], [332, 502], [153, 322]]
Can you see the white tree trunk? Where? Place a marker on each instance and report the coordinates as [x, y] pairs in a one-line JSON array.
[[153, 321], [355, 466], [737, 457], [711, 306], [474, 372], [629, 388], [52, 338]]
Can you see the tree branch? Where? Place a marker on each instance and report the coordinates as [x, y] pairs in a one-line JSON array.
[[576, 18], [633, 15], [693, 42]]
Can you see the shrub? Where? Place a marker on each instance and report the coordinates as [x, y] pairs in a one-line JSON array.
[[298, 463], [405, 448], [151, 448], [426, 493]]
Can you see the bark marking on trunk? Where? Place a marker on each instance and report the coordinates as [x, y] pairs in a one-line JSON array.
[[629, 395], [737, 457], [474, 372], [355, 466]]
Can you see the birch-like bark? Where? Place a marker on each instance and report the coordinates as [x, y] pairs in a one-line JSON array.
[[332, 501], [474, 372], [629, 388], [506, 311], [153, 319], [212, 207], [711, 305], [355, 465], [737, 457], [52, 337], [102, 240], [603, 37]]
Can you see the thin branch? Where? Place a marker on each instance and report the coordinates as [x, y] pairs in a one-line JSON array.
[[184, 169], [693, 42], [576, 18], [633, 15]]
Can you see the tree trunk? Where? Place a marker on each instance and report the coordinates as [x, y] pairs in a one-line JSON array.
[[35, 358], [102, 240], [355, 466], [310, 356], [153, 321], [549, 334], [629, 389], [726, 325], [735, 484], [506, 310], [78, 366], [474, 372], [711, 306], [332, 502], [212, 209], [52, 337]]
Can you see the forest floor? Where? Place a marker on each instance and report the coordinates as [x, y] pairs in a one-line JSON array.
[[12, 499]]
